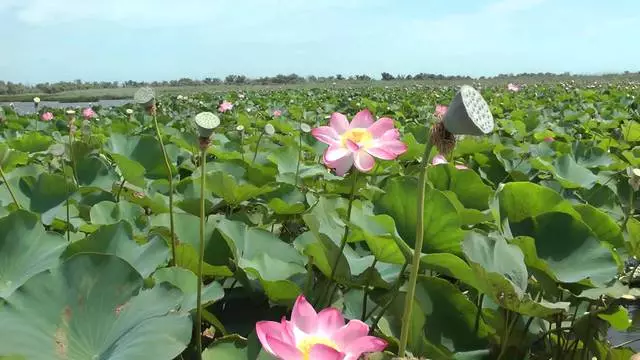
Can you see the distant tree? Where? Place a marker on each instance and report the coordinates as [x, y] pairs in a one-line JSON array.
[[386, 76]]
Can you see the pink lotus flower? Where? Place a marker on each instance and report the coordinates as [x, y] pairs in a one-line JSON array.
[[47, 116], [513, 87], [277, 113], [225, 106], [440, 111], [440, 159], [88, 113], [317, 336], [549, 139], [358, 142]]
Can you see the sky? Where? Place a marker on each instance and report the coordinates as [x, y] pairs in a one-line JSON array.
[[118, 40]]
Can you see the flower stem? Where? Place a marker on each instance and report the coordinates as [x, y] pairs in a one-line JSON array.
[[66, 183], [173, 261], [417, 252], [372, 268], [343, 242], [255, 154], [630, 209], [6, 183], [299, 158], [203, 154]]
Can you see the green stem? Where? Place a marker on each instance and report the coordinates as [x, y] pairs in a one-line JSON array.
[[299, 158], [479, 313], [388, 304], [120, 190], [630, 208], [242, 145], [366, 289], [203, 153], [6, 183], [72, 157], [173, 261], [508, 330], [343, 242], [255, 154], [66, 182], [417, 252]]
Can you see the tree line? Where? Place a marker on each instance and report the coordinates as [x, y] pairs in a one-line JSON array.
[[12, 88]]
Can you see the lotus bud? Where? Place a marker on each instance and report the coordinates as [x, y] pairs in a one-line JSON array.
[[634, 178], [269, 129]]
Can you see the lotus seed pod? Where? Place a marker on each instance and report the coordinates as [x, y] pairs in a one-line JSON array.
[[269, 129], [144, 96], [129, 111], [36, 100], [71, 112], [468, 114], [206, 122], [240, 128]]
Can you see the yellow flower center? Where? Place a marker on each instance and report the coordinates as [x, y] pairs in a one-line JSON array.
[[362, 137], [307, 343]]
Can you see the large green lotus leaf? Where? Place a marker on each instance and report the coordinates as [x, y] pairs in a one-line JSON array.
[[631, 131], [466, 184], [486, 257], [131, 170], [231, 190], [601, 224], [46, 194], [261, 251], [217, 251], [187, 281], [93, 172], [380, 234], [567, 172], [591, 156], [495, 255], [449, 265], [617, 317], [633, 229], [144, 150], [117, 239], [450, 316], [25, 250], [287, 200], [323, 217], [93, 307], [9, 158], [569, 247], [233, 347], [31, 142], [109, 212], [442, 232], [521, 200]]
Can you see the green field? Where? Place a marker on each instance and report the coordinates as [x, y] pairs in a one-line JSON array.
[[117, 235]]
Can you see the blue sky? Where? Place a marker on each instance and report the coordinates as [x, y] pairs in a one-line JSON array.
[[52, 40]]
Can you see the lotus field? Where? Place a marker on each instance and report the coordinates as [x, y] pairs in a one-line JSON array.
[[371, 223]]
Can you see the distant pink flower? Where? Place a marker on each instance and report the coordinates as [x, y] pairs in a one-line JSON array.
[[88, 113], [549, 139], [513, 87], [441, 110], [358, 142], [225, 106], [317, 336], [277, 113], [440, 159], [47, 116]]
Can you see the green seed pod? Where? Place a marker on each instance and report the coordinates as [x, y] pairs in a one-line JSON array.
[[206, 122], [468, 114]]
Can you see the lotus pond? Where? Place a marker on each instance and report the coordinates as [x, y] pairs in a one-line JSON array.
[[116, 224]]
